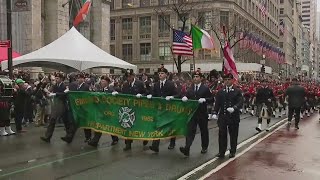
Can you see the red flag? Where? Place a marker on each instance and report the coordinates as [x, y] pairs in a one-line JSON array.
[[229, 62], [82, 14]]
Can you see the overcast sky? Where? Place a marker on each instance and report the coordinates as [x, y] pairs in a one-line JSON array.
[[318, 5]]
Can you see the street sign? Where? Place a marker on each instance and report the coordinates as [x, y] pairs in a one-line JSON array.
[[21, 5], [6, 44]]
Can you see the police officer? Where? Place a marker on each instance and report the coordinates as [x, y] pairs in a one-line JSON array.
[[104, 87], [264, 96], [136, 87], [166, 89], [228, 103], [198, 91]]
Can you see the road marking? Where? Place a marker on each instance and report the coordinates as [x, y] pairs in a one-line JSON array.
[[201, 167]]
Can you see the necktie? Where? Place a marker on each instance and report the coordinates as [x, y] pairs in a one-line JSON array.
[[196, 89], [161, 85]]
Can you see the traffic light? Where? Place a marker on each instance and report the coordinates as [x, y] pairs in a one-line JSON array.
[[191, 67], [263, 69]]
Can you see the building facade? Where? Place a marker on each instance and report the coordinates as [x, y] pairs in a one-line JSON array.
[[141, 30]]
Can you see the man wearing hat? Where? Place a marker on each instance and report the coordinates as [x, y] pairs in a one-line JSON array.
[[264, 97], [58, 109], [166, 89], [227, 106], [200, 92], [19, 100], [136, 87], [103, 87]]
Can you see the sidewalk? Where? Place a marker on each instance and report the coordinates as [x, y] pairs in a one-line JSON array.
[[284, 155]]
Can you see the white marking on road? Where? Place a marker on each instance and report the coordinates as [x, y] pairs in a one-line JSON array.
[[32, 160], [201, 167]]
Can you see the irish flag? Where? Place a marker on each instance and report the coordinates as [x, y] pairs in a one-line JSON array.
[[82, 14], [201, 39]]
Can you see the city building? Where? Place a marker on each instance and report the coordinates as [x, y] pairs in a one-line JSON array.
[[141, 34]]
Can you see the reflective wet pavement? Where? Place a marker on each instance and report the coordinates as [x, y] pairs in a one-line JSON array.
[[26, 157], [285, 155]]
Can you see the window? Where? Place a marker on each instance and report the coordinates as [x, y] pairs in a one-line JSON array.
[[306, 11], [112, 5], [147, 70], [164, 22], [281, 10], [145, 27], [144, 3], [127, 28], [306, 7], [112, 29], [224, 18], [145, 51], [204, 54], [111, 71], [127, 3], [306, 16], [164, 51], [112, 50], [141, 71], [281, 44], [184, 18], [281, 1], [163, 2], [127, 52], [204, 20]]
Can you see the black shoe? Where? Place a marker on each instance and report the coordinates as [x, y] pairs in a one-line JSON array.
[[204, 150], [127, 148], [297, 126], [47, 140], [145, 143], [155, 149], [220, 155], [93, 144], [66, 139], [114, 143], [171, 146], [232, 155], [258, 129], [185, 151], [87, 140]]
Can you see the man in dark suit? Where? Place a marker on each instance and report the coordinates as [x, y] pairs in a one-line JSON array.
[[136, 87], [166, 89], [58, 109], [104, 87], [228, 103], [296, 97], [198, 91], [83, 86], [264, 97]]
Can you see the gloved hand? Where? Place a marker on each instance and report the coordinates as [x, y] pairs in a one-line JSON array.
[[139, 95], [169, 97], [214, 116], [114, 93], [52, 94], [149, 96], [202, 100], [66, 91], [184, 99], [230, 110], [269, 100]]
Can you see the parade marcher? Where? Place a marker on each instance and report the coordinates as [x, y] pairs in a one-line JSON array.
[[228, 103], [296, 97], [104, 87], [136, 87], [264, 100], [201, 92], [58, 110], [5, 105], [19, 99], [83, 86], [166, 89]]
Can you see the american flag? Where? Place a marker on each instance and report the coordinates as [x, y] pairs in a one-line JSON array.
[[263, 7], [182, 43], [281, 26]]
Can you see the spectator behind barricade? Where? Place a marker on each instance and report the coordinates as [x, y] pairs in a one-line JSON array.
[[19, 99]]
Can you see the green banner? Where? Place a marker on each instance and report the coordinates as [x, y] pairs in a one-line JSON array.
[[130, 117]]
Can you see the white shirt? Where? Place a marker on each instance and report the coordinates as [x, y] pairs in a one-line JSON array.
[[132, 83], [197, 86], [163, 82], [228, 89]]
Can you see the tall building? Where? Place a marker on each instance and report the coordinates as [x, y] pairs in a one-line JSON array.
[[143, 37], [309, 15]]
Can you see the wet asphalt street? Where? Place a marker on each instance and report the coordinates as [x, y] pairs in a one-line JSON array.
[[25, 156]]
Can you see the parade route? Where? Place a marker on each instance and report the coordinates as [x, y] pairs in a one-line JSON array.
[[26, 157], [285, 154]]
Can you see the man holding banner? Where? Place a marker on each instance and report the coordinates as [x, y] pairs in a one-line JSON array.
[[136, 87], [166, 89], [200, 92]]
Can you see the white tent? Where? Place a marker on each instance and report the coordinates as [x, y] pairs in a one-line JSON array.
[[72, 50]]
